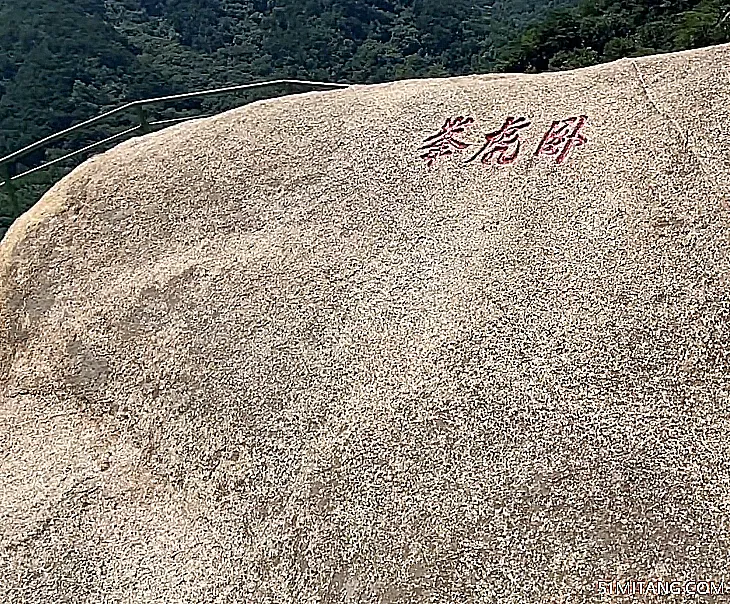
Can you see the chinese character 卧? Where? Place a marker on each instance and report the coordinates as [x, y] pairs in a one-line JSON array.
[[563, 136]]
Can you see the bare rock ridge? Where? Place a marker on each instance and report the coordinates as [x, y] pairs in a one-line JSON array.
[[444, 341]]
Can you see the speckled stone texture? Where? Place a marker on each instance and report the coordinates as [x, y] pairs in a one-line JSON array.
[[272, 357]]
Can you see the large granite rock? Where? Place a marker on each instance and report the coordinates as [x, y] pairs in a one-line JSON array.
[[369, 346]]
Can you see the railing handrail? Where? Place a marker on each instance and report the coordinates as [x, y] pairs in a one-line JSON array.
[[16, 155]]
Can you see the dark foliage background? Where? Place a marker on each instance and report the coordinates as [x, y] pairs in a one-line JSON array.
[[63, 61]]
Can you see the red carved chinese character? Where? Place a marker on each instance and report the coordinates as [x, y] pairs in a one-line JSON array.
[[444, 142], [503, 144], [562, 137]]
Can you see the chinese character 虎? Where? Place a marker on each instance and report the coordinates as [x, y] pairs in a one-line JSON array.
[[562, 137], [444, 142], [503, 144]]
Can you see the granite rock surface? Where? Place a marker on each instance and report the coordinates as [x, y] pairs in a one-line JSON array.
[[434, 341]]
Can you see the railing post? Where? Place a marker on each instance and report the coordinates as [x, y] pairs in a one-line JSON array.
[[7, 171], [144, 125]]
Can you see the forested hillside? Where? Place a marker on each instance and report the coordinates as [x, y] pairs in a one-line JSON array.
[[65, 60], [605, 30], [62, 61]]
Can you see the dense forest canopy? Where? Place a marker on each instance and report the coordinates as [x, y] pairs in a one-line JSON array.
[[62, 61], [605, 30]]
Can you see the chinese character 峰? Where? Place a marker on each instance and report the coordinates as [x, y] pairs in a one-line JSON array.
[[503, 145], [444, 142], [562, 137]]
